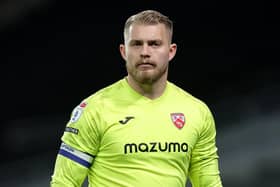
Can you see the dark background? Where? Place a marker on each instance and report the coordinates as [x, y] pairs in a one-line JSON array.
[[55, 53]]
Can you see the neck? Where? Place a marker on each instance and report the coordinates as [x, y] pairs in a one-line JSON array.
[[150, 90]]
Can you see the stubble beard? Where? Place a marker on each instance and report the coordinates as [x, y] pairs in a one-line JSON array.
[[147, 77]]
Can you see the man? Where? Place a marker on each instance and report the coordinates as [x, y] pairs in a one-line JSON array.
[[142, 130]]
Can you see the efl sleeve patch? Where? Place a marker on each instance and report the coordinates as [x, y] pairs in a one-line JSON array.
[[77, 112], [75, 155]]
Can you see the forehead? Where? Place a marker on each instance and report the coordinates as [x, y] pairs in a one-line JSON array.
[[147, 32]]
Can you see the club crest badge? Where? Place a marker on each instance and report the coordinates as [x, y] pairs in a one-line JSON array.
[[178, 119]]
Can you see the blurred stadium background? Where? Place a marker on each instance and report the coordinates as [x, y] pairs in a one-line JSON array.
[[54, 53]]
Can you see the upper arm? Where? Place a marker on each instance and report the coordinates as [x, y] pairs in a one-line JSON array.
[[80, 143], [204, 169], [71, 167]]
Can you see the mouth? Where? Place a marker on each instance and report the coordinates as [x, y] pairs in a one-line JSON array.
[[145, 66]]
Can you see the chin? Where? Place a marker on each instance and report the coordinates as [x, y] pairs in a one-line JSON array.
[[146, 79]]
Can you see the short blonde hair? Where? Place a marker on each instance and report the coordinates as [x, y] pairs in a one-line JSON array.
[[149, 17]]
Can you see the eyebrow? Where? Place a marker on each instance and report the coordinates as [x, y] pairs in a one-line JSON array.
[[149, 41]]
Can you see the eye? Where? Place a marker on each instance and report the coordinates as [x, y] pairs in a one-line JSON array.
[[155, 43], [136, 43]]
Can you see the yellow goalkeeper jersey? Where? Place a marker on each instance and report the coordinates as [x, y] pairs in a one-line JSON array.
[[119, 138]]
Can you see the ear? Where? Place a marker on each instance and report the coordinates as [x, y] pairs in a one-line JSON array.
[[122, 51], [172, 51]]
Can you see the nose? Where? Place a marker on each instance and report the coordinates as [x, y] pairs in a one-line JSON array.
[[145, 51]]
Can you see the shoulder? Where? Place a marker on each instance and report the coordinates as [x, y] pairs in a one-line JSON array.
[[187, 98], [103, 95]]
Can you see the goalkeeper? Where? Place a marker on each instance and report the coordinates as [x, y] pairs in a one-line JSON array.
[[142, 130]]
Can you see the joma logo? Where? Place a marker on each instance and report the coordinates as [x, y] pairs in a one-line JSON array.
[[127, 118]]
